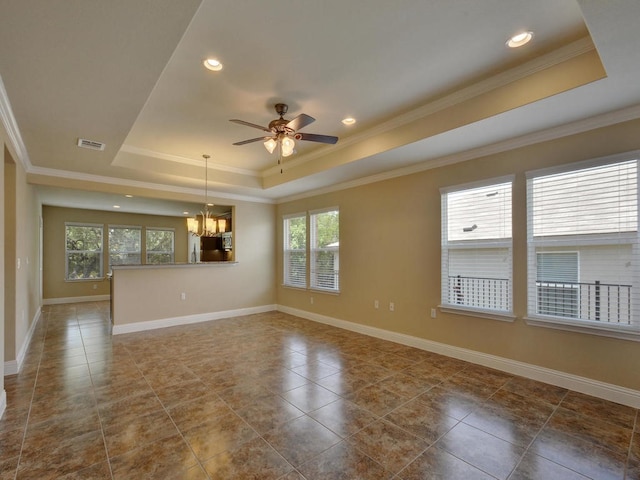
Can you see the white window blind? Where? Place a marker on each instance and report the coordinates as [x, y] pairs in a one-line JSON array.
[[295, 250], [477, 247], [325, 249], [582, 244]]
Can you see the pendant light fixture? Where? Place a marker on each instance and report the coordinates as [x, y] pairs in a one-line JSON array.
[[206, 227]]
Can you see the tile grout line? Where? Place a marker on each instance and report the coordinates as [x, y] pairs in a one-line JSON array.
[[95, 401], [33, 393]]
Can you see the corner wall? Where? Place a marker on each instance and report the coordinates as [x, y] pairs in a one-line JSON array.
[[390, 252]]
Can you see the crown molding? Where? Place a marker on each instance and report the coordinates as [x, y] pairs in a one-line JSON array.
[[85, 177], [11, 127], [573, 128], [187, 161], [538, 64]]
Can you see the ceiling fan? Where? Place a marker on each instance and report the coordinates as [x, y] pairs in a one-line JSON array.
[[282, 132]]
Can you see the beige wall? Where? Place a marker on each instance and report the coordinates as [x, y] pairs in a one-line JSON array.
[[153, 293], [21, 263], [390, 251], [54, 218]]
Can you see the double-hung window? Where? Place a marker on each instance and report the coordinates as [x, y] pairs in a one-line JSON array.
[[160, 245], [295, 250], [325, 249], [83, 251], [477, 247], [583, 244], [124, 245], [319, 259]]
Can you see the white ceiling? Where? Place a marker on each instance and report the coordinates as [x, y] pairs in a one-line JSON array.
[[415, 74]]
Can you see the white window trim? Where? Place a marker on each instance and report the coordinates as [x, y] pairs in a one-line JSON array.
[[501, 315], [624, 332]]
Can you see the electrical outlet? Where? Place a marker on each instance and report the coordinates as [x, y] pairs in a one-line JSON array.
[[376, 304], [95, 286], [311, 300], [433, 313], [183, 296], [392, 307]]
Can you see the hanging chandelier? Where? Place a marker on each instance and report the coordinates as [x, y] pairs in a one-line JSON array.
[[205, 226]]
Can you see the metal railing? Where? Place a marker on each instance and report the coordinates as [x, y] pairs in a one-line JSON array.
[[600, 302], [479, 292]]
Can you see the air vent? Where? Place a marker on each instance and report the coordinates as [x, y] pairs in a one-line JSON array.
[[90, 144]]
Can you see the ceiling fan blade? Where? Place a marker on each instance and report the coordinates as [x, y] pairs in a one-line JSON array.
[[300, 121], [249, 124], [251, 140], [312, 137]]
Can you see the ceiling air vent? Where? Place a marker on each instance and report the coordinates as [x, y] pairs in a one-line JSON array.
[[90, 144]]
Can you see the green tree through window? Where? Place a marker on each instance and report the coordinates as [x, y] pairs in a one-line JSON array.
[[83, 251]]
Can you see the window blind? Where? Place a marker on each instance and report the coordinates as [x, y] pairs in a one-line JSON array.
[[582, 244], [295, 250], [325, 249], [477, 247]]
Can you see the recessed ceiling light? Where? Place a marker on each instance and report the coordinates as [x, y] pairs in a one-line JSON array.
[[116, 206], [519, 39], [129, 196], [185, 213], [349, 121], [213, 64]]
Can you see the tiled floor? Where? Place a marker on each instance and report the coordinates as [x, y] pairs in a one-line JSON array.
[[272, 396]]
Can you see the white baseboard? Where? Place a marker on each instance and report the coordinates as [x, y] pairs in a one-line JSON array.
[[12, 367], [3, 402], [87, 298], [201, 317], [607, 391]]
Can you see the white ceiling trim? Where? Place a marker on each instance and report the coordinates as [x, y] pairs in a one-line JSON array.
[[538, 64], [11, 126], [581, 126], [187, 161], [85, 177]]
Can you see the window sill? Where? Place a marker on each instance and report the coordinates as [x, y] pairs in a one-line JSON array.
[[471, 312], [80, 280], [624, 332], [311, 289]]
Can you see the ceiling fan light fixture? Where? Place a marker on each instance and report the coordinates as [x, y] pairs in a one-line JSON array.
[[519, 39], [213, 64], [270, 145], [288, 144]]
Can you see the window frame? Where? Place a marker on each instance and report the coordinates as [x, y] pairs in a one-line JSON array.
[[172, 253], [128, 227], [315, 251], [99, 253], [287, 252], [482, 244], [567, 242]]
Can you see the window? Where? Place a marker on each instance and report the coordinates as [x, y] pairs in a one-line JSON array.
[[295, 250], [83, 251], [160, 245], [477, 247], [325, 249], [582, 244], [124, 245]]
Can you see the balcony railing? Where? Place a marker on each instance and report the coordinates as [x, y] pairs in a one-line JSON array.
[[600, 302], [489, 293]]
